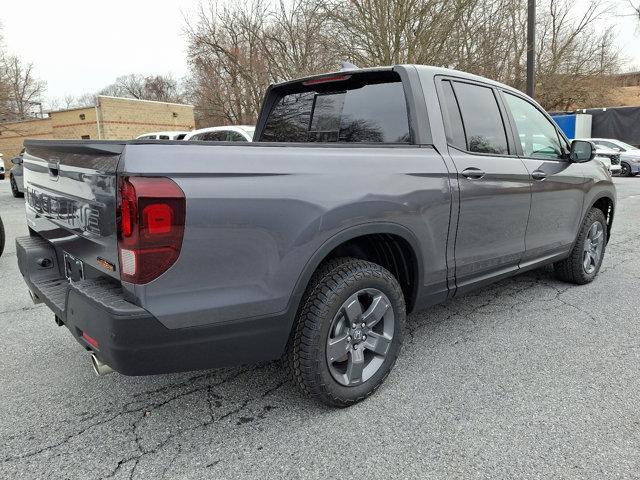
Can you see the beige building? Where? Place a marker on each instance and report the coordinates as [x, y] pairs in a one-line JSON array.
[[110, 119]]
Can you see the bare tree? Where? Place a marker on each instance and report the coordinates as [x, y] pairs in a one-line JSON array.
[[229, 71], [574, 60], [387, 32], [156, 87], [237, 50], [5, 90], [61, 103], [635, 6], [86, 100], [25, 90]]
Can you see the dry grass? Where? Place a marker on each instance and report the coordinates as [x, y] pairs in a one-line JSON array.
[[626, 96]]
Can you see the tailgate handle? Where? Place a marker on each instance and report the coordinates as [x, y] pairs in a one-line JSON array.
[[54, 169]]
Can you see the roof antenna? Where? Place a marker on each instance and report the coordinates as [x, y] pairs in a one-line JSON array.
[[345, 66]]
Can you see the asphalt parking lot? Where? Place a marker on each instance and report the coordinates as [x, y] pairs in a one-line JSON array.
[[529, 378]]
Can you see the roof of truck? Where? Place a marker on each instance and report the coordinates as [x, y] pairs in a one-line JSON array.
[[424, 69]]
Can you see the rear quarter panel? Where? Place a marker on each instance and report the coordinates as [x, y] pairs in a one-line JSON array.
[[256, 214]]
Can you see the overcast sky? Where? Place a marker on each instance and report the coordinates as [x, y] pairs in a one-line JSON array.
[[81, 46]]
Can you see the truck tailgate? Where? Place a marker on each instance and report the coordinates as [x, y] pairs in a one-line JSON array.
[[70, 192]]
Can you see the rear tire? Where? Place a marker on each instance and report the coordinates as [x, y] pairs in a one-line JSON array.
[[348, 332], [583, 264], [14, 188]]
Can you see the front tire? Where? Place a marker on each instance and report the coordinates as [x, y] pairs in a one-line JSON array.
[[348, 332], [585, 260], [625, 170]]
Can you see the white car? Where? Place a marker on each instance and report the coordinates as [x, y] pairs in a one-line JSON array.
[[610, 159], [1, 168], [629, 155], [163, 136], [229, 133]]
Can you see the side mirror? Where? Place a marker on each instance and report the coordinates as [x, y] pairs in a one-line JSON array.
[[582, 151], [16, 160]]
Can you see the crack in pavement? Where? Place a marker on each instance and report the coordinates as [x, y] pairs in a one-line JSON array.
[[125, 410], [212, 420]]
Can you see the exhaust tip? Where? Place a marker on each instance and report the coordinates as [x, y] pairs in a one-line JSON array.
[[99, 368], [34, 298]]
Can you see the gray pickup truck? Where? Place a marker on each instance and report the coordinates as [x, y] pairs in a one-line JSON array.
[[367, 194]]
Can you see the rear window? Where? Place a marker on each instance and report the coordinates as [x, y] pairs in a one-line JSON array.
[[343, 111], [481, 118]]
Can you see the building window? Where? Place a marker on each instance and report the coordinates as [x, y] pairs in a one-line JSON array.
[[86, 137]]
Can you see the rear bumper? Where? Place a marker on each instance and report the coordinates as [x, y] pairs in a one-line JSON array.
[[129, 339]]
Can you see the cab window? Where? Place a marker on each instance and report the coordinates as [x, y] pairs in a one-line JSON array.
[[538, 136]]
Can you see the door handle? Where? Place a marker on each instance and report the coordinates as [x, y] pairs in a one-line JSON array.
[[472, 173], [538, 175]]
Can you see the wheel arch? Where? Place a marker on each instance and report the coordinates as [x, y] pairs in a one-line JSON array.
[[347, 239], [606, 203]]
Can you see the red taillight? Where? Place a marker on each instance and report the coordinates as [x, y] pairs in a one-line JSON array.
[[151, 226], [127, 208], [158, 217]]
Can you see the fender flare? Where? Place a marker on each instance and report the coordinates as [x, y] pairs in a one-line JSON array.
[[594, 200], [600, 196], [343, 236]]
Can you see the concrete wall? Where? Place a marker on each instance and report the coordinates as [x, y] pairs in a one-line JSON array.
[[13, 134], [75, 124], [125, 118]]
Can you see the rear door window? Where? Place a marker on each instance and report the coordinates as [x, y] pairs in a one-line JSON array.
[[483, 124], [369, 113]]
